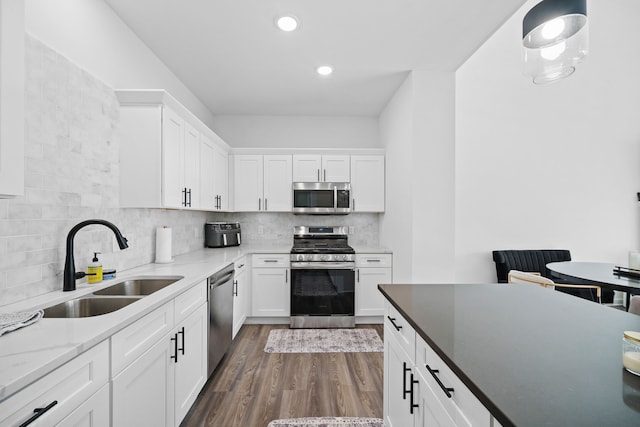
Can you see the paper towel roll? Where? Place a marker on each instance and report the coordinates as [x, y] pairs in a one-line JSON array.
[[163, 245]]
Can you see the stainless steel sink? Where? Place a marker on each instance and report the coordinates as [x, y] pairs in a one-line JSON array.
[[139, 286], [87, 307]]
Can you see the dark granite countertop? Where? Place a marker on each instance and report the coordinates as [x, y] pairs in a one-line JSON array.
[[532, 356]]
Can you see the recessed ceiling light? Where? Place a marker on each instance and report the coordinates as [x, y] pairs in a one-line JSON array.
[[287, 23], [324, 70]]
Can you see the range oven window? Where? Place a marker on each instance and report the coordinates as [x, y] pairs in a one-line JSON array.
[[322, 292]]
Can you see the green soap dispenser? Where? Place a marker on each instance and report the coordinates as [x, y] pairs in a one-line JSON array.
[[94, 271]]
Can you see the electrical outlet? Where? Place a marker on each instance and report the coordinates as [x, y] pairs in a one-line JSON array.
[[260, 229], [352, 229]]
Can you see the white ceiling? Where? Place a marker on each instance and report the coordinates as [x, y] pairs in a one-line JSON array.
[[234, 59]]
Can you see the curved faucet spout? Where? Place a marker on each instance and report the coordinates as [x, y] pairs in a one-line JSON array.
[[69, 262]]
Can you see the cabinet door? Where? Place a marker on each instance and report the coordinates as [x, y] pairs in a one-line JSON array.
[[397, 378], [277, 183], [94, 412], [12, 87], [208, 199], [191, 166], [241, 301], [270, 292], [369, 300], [248, 175], [191, 364], [306, 168], [172, 159], [367, 183], [336, 169], [142, 394], [430, 411], [221, 178]]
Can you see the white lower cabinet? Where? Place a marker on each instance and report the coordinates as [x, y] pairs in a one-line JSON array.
[[241, 295], [191, 362], [60, 394], [94, 412], [270, 294], [371, 270], [159, 386], [420, 390], [142, 394]]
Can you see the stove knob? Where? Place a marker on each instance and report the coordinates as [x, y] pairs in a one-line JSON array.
[[326, 257]]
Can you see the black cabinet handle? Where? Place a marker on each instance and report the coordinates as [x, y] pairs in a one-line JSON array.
[[38, 412], [392, 320], [412, 405], [189, 197], [175, 348], [318, 175], [181, 332], [433, 372], [404, 380], [235, 288], [265, 204], [184, 197]]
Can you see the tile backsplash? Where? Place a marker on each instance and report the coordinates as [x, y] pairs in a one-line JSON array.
[[72, 174], [277, 228]]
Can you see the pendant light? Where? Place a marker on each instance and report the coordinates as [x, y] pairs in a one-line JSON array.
[[554, 39]]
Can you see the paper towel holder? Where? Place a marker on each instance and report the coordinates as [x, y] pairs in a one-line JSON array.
[[163, 245]]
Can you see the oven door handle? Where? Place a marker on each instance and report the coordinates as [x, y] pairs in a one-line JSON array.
[[323, 266]]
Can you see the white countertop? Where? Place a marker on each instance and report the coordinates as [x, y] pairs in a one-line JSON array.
[[29, 353], [33, 351]]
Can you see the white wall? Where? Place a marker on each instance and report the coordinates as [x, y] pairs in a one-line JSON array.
[[89, 33], [396, 135], [551, 166], [417, 131], [298, 131]]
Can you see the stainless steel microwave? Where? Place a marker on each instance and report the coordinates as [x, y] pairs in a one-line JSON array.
[[322, 198]]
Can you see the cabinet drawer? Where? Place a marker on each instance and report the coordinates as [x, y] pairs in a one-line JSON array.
[[128, 344], [187, 302], [373, 260], [463, 406], [401, 329], [270, 260], [241, 265], [69, 386]]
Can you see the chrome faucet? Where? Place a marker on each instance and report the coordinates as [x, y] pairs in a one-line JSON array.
[[70, 274]]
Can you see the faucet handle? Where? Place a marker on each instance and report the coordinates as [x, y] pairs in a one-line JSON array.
[[80, 274]]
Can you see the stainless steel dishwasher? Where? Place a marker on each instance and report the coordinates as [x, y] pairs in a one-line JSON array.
[[220, 297]]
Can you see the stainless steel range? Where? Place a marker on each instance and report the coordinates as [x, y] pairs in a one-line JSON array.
[[322, 278]]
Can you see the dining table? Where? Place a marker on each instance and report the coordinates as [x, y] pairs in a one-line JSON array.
[[597, 273]]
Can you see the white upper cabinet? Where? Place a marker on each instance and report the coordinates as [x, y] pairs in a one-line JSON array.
[[12, 98], [367, 183], [262, 183], [321, 168], [214, 175], [168, 158], [277, 183]]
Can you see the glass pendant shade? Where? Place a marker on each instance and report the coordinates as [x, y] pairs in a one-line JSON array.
[[554, 39]]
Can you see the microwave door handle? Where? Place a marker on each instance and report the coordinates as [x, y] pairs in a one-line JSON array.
[[335, 197]]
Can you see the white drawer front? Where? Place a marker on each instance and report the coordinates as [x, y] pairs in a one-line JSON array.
[[463, 406], [373, 260], [241, 265], [401, 329], [128, 344], [186, 303], [270, 260], [69, 385]]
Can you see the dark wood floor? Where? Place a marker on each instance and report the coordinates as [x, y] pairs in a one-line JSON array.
[[251, 387]]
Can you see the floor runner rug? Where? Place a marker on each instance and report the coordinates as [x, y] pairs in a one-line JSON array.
[[327, 422], [323, 341]]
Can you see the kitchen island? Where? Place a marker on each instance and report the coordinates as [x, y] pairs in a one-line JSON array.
[[529, 355]]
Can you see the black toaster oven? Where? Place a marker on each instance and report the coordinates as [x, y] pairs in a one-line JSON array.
[[221, 234]]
